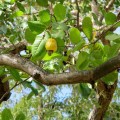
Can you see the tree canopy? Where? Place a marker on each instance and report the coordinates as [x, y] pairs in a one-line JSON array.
[[55, 43]]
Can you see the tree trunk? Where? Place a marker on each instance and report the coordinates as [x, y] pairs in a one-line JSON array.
[[4, 88], [104, 96]]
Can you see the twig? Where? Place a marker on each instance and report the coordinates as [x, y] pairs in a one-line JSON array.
[[109, 5], [78, 11]]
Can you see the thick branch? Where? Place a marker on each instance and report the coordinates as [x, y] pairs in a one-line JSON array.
[[15, 49], [41, 76], [104, 95]]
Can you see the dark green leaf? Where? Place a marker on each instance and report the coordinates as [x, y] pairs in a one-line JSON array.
[[95, 17], [30, 95], [87, 27], [2, 70], [6, 114], [20, 6], [110, 18], [28, 84], [20, 116], [59, 11], [85, 90], [35, 26], [43, 3], [15, 74]]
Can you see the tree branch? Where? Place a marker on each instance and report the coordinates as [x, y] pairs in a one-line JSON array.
[[13, 48], [41, 76]]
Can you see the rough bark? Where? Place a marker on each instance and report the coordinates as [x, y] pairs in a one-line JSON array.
[[4, 87], [104, 97], [88, 76]]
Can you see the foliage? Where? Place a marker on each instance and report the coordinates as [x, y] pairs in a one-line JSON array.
[[78, 48]]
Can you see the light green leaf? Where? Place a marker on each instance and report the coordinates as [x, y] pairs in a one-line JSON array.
[[17, 14], [110, 78], [58, 34], [44, 16], [6, 114], [112, 36], [20, 116], [75, 36], [113, 50], [110, 18], [35, 26], [6, 79], [38, 47], [59, 11], [87, 27]]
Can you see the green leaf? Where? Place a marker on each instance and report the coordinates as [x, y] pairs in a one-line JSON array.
[[87, 27], [6, 114], [79, 45], [29, 35], [20, 6], [35, 26], [6, 79], [110, 78], [58, 34], [113, 50], [44, 16], [20, 116], [75, 36], [28, 84], [59, 11], [110, 18], [59, 26], [95, 17], [43, 3], [35, 91], [54, 55], [2, 70], [17, 14], [60, 44], [41, 86], [84, 90], [112, 36], [82, 57], [30, 95], [15, 74], [38, 47]]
